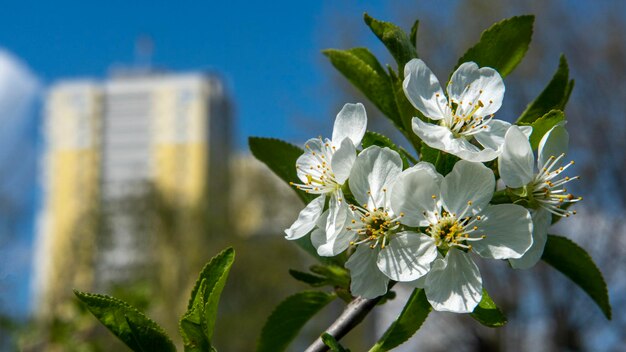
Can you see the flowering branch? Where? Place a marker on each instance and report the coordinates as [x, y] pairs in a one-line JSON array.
[[354, 313]]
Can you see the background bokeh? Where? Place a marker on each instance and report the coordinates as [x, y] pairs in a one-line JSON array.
[[268, 55]]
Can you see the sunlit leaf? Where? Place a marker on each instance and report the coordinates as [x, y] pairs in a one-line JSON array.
[[413, 35], [132, 327], [575, 263], [553, 97], [364, 71], [289, 317], [443, 161], [313, 280], [395, 39], [503, 45], [334, 274], [198, 322], [487, 313], [542, 125], [410, 320], [280, 157]]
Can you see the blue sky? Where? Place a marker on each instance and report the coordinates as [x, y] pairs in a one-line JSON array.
[[269, 52]]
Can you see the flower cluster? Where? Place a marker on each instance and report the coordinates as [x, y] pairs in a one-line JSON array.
[[417, 226]]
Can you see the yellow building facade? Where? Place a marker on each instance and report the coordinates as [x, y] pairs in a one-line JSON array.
[[113, 142], [70, 184]]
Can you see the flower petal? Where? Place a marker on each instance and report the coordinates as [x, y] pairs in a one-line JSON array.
[[335, 237], [542, 219], [470, 85], [374, 171], [441, 138], [367, 280], [309, 161], [435, 136], [507, 229], [419, 283], [423, 90], [467, 182], [318, 235], [493, 137], [429, 168], [342, 161], [351, 123], [454, 283], [553, 143], [306, 219], [337, 214], [334, 245], [408, 256], [526, 130], [516, 164], [412, 195]]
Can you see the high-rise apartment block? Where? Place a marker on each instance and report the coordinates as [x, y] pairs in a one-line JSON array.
[[159, 138]]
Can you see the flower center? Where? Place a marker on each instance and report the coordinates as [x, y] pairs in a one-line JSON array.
[[449, 231], [320, 178], [374, 227], [547, 190], [462, 120], [377, 223]]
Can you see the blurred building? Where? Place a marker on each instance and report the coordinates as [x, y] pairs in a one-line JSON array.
[[262, 203], [113, 147]]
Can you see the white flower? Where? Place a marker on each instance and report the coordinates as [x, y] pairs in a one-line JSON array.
[[383, 250], [474, 95], [459, 219], [324, 168], [544, 187]]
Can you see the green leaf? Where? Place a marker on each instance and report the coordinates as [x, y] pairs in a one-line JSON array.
[[197, 324], [190, 325], [442, 161], [574, 262], [429, 154], [410, 320], [281, 158], [136, 330], [487, 313], [335, 275], [503, 45], [214, 274], [364, 71], [313, 280], [332, 343], [554, 96], [373, 138], [542, 125], [149, 338], [289, 317], [191, 330], [413, 35], [395, 39]]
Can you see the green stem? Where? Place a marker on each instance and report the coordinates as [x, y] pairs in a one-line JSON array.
[[439, 161], [501, 197], [353, 314]]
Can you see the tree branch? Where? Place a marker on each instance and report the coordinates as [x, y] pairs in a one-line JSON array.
[[354, 313]]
